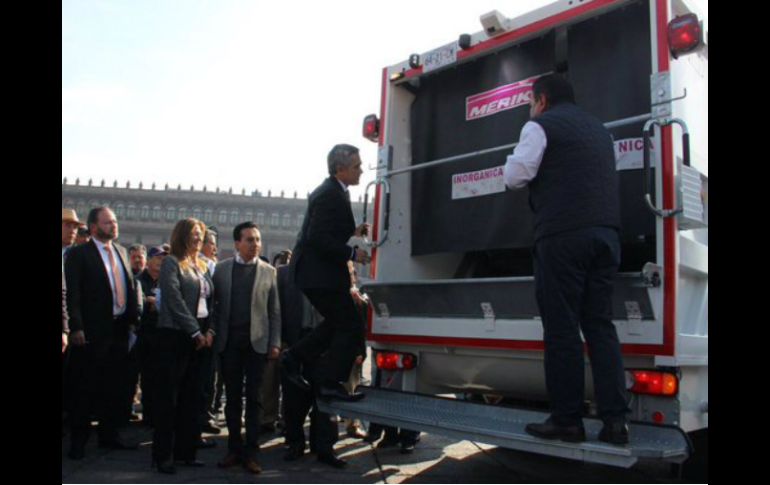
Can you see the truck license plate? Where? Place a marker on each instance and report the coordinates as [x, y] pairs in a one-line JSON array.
[[437, 58]]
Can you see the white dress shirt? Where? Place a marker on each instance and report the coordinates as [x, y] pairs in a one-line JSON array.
[[116, 310], [522, 166]]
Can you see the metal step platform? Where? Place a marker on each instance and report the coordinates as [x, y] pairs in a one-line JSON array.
[[504, 427]]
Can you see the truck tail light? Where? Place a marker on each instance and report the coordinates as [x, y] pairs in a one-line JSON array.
[[684, 34], [371, 128], [653, 383], [395, 361]]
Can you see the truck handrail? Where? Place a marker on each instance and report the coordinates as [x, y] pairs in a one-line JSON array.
[[383, 181], [610, 125], [649, 131]]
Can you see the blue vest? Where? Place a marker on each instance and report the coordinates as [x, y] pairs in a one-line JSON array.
[[577, 183]]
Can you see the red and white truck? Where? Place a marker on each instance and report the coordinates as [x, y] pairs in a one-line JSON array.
[[453, 310]]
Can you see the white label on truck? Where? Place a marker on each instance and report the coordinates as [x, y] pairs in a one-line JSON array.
[[629, 154], [478, 183], [443, 56]]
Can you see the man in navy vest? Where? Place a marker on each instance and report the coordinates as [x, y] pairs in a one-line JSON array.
[[566, 157]]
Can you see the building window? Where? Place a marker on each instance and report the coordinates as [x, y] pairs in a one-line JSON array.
[[234, 216], [145, 212], [170, 214], [208, 216], [287, 220], [157, 212], [131, 213], [248, 216], [261, 219], [275, 219], [300, 219], [197, 213], [120, 210], [182, 212], [222, 217]]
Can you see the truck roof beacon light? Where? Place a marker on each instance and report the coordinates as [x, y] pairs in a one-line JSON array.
[[464, 42], [493, 23]]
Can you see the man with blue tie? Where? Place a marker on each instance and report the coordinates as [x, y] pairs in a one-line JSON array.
[[102, 303]]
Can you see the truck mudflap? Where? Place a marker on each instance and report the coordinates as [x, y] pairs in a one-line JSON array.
[[504, 426]]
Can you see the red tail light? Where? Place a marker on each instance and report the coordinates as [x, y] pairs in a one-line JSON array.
[[654, 383], [684, 34], [371, 128], [395, 361]]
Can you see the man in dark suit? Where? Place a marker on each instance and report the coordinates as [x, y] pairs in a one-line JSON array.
[[102, 303], [319, 266]]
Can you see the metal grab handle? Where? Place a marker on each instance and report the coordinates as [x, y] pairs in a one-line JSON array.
[[386, 225], [649, 130]]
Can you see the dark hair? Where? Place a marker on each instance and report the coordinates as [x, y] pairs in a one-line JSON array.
[[339, 157], [93, 215], [240, 227], [555, 88], [282, 257], [138, 247]]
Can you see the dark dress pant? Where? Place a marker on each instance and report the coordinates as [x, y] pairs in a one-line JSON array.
[[574, 273], [239, 361], [339, 334], [177, 399]]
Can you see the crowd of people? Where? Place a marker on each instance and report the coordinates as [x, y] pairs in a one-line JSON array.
[[178, 328]]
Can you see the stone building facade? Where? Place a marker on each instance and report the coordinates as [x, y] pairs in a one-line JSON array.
[[147, 215]]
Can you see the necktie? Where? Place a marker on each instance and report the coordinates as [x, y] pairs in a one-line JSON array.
[[119, 293]]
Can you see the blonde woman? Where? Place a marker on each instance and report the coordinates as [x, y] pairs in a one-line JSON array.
[[183, 330]]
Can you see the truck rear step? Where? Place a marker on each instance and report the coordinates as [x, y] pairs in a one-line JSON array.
[[504, 426]]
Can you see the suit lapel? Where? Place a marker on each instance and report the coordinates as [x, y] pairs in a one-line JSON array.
[[256, 302]]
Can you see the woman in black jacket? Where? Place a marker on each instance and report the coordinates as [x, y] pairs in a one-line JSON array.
[[183, 329]]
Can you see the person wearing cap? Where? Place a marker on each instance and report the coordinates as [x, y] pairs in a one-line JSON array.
[[69, 229], [148, 326], [102, 304]]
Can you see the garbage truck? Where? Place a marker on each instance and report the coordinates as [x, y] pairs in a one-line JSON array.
[[453, 323]]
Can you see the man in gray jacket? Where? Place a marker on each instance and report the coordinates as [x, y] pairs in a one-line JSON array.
[[247, 327]]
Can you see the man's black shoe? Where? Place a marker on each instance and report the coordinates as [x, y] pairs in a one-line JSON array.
[[291, 369], [338, 392], [614, 432], [204, 443], [552, 431], [331, 459], [294, 452]]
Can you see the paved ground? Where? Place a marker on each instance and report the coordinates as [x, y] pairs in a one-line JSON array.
[[436, 460]]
